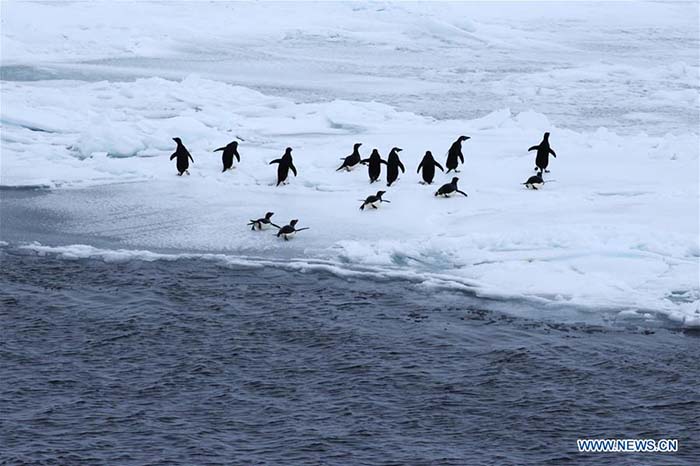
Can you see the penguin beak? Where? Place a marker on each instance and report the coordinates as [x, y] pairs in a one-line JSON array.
[[398, 150]]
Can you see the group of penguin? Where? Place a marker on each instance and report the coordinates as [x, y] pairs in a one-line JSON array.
[[374, 163]]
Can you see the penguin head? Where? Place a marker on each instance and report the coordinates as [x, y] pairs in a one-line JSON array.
[[455, 180], [428, 154], [178, 140], [464, 138], [357, 145], [546, 135], [380, 193], [396, 149], [294, 222], [269, 214], [288, 150], [234, 144], [375, 152]]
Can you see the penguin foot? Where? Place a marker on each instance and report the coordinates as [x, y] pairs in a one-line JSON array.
[[546, 171], [188, 172]]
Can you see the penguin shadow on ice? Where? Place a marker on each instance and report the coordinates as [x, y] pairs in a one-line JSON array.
[[374, 200], [182, 156], [285, 163]]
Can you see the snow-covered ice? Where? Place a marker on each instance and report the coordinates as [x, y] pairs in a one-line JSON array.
[[91, 100]]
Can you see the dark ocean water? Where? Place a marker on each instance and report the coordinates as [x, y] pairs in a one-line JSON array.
[[192, 362]]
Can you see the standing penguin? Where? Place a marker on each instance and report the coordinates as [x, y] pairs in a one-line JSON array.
[[285, 163], [375, 168], [290, 230], [543, 151], [535, 182], [393, 165], [454, 155], [259, 223], [449, 188], [230, 151], [351, 160], [182, 155], [373, 200], [428, 164]]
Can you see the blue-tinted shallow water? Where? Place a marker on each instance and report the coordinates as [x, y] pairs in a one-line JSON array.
[[191, 362]]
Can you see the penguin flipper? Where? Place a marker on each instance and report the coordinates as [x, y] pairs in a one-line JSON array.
[[276, 226], [419, 166], [238, 157], [382, 200], [365, 161], [341, 167], [219, 149], [275, 161], [439, 166], [302, 229], [551, 151], [173, 156], [462, 192], [403, 170], [534, 148], [384, 162], [291, 165]]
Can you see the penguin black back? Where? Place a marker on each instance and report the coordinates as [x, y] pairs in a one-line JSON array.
[[375, 168], [393, 165], [543, 151], [285, 164], [428, 165], [230, 151], [449, 188], [454, 155], [353, 159], [183, 157]]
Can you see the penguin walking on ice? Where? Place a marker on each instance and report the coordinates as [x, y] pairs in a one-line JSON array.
[[454, 155], [543, 151], [428, 165], [449, 188], [285, 164], [352, 160], [262, 222], [392, 166], [183, 157], [375, 162], [373, 200], [290, 230], [230, 151]]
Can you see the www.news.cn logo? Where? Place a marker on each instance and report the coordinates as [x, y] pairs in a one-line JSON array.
[[627, 445]]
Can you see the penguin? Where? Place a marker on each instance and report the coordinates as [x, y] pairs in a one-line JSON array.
[[259, 223], [230, 151], [449, 188], [351, 160], [285, 163], [428, 164], [289, 230], [454, 154], [543, 151], [534, 182], [392, 166], [374, 199], [374, 161], [182, 155]]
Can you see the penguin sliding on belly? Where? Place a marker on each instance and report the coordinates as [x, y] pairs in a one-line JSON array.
[[428, 165], [536, 181], [454, 155], [183, 157], [352, 160], [230, 151], [392, 166], [262, 222], [285, 164], [449, 188], [543, 151], [375, 165], [374, 200], [290, 230]]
